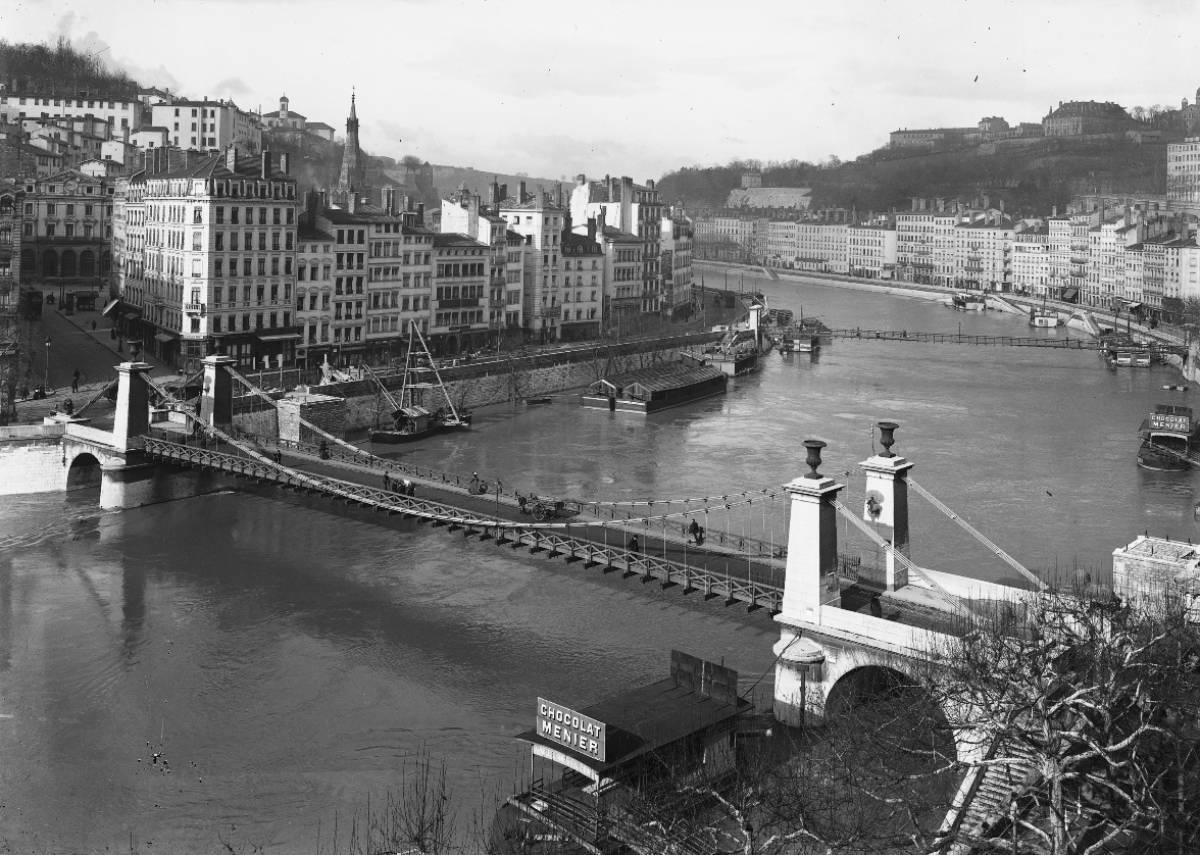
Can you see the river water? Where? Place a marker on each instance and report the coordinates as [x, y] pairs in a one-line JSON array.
[[285, 656]]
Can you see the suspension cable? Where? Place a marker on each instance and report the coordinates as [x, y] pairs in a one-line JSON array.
[[978, 535], [956, 603]]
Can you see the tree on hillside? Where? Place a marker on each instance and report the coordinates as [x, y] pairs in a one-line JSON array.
[[60, 69]]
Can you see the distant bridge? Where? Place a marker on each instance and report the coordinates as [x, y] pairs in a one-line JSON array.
[[1064, 343]]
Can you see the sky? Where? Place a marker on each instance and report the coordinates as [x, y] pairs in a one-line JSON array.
[[637, 87]]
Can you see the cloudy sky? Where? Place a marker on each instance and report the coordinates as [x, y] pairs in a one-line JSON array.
[[637, 87]]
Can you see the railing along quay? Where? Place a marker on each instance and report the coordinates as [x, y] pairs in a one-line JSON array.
[[553, 539]]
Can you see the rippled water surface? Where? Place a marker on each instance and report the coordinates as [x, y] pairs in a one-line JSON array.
[[284, 656]]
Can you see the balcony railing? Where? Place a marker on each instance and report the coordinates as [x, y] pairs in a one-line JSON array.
[[194, 308], [459, 303]]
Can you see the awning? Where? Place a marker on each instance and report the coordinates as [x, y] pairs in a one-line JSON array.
[[112, 304], [279, 336], [1129, 304], [164, 337], [1069, 294]]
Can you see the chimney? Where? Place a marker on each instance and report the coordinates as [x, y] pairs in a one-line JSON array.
[[285, 162], [352, 202], [504, 191], [265, 164], [310, 206], [125, 133], [521, 191], [420, 213], [591, 228], [493, 193], [613, 190], [650, 183], [322, 200], [231, 158]]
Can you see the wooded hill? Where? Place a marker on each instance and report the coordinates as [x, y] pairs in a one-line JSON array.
[[1030, 176], [41, 69]]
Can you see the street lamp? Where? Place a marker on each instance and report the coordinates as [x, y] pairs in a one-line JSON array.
[[46, 373]]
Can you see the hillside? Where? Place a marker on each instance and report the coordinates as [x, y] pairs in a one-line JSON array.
[[1030, 176], [59, 70], [450, 178]]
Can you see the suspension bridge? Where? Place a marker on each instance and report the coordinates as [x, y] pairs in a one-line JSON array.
[[835, 616]]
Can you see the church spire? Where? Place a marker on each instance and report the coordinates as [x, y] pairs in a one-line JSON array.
[[352, 177]]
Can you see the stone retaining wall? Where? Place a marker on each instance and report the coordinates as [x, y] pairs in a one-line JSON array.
[[481, 384]]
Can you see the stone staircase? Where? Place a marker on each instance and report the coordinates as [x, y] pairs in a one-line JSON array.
[[989, 796]]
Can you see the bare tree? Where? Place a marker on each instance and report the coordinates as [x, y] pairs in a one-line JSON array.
[[1097, 702]]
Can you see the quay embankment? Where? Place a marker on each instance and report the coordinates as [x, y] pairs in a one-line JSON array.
[[483, 382]]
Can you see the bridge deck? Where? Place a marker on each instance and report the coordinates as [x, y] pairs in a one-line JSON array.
[[1066, 342], [668, 561]]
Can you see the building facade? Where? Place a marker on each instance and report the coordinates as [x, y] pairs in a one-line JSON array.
[[205, 260], [677, 243], [1183, 176], [539, 221], [66, 232], [871, 251], [208, 125]]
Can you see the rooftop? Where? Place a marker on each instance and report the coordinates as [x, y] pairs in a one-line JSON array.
[[1160, 548], [645, 719], [455, 239]]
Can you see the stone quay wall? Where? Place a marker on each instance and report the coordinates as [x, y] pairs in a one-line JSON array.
[[480, 384]]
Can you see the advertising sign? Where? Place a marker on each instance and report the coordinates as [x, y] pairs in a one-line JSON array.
[[563, 725]]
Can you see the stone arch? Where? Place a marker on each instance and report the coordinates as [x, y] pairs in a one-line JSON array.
[[49, 263], [84, 472], [87, 263], [68, 265]]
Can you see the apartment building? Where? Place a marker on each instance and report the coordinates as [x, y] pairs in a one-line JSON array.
[[205, 257], [677, 247], [462, 279], [539, 221], [118, 113], [871, 251], [981, 253], [66, 232], [208, 124]]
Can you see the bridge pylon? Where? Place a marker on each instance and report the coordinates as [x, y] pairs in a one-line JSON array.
[[132, 417], [216, 397], [886, 502], [811, 580]]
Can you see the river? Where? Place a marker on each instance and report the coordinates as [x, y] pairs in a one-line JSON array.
[[285, 656]]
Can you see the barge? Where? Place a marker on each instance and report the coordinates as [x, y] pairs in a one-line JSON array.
[[1168, 436], [658, 387]]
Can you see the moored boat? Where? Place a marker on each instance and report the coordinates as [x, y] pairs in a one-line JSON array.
[[411, 419], [965, 301], [1168, 436], [1044, 318]]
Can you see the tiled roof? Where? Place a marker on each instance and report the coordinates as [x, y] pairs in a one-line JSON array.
[[454, 239], [362, 214], [612, 233], [320, 125], [311, 233]]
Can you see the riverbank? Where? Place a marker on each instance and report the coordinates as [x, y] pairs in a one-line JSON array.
[[833, 280], [1102, 317]]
